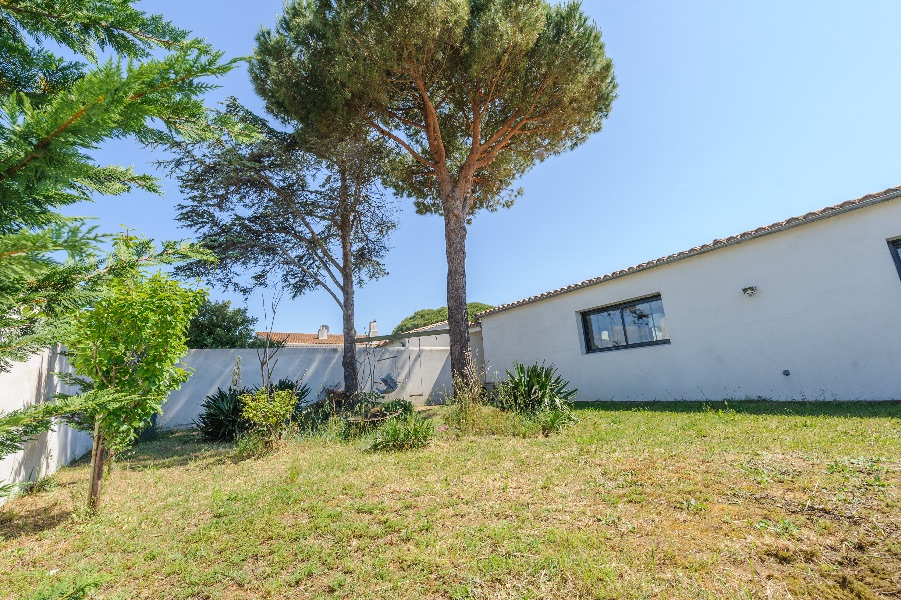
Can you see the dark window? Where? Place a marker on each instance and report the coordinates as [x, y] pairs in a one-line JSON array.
[[626, 325], [895, 246]]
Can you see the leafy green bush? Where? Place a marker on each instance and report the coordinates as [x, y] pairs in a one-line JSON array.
[[220, 419], [537, 392], [402, 434], [268, 412]]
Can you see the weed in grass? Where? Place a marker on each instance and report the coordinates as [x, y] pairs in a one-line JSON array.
[[70, 588], [692, 506], [402, 434], [254, 444], [40, 485], [782, 527]]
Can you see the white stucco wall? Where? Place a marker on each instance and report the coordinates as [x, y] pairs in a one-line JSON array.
[[827, 308], [28, 383], [423, 374]]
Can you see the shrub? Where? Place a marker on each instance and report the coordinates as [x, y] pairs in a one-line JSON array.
[[220, 419], [402, 434], [534, 388], [538, 393], [268, 412]]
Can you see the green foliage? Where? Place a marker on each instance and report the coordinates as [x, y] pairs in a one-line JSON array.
[[132, 340], [471, 92], [218, 325], [70, 588], [430, 316], [42, 484], [529, 389], [269, 207], [220, 417], [402, 434], [268, 412], [468, 400], [19, 426], [53, 114], [40, 296], [46, 132], [538, 393]]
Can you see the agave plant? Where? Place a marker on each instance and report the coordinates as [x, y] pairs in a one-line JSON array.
[[220, 418], [534, 388]]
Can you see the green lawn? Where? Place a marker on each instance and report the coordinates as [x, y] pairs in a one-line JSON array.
[[677, 500]]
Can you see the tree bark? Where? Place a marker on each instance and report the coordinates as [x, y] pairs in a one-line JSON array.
[[457, 316], [349, 360], [98, 451]]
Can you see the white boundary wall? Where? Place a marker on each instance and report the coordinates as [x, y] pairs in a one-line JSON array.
[[28, 383], [423, 374], [827, 309]]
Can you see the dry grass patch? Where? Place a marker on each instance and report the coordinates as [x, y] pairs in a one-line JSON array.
[[752, 500]]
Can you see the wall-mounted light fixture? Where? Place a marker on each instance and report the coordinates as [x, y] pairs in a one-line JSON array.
[[749, 291]]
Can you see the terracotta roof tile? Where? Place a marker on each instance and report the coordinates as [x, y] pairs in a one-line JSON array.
[[829, 211], [303, 338]]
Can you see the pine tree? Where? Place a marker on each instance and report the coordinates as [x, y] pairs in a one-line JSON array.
[[472, 93]]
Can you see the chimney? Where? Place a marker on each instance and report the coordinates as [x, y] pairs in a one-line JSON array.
[[373, 329], [323, 332]]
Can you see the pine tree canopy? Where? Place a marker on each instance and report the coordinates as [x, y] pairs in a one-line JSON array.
[[429, 316], [470, 91]]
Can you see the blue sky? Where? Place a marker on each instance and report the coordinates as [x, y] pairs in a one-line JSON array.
[[730, 116]]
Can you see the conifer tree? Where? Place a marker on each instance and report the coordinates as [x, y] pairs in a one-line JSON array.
[[53, 111], [276, 210], [473, 93]]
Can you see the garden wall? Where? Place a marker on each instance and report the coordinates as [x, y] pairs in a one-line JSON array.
[[423, 374], [28, 383]]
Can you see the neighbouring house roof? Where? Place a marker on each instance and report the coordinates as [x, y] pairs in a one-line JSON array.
[[303, 339], [823, 213]]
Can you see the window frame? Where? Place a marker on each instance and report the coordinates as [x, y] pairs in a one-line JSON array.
[[894, 246], [585, 316]]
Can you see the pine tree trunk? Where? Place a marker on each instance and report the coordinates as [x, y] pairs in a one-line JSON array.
[[457, 317], [98, 452], [349, 361]]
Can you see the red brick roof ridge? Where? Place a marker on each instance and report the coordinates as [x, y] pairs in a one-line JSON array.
[[304, 338], [829, 211]]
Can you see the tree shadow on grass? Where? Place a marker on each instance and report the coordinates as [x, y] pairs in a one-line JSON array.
[[177, 448], [825, 408], [17, 521]]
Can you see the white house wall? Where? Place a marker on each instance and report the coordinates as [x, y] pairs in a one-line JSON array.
[[827, 309], [28, 383], [423, 374]]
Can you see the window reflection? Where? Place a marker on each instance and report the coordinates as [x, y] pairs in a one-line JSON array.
[[638, 323]]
